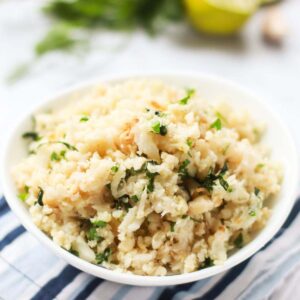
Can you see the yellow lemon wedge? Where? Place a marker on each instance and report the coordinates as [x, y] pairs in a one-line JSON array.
[[220, 17]]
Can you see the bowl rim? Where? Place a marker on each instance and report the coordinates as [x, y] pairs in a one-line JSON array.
[[133, 279]]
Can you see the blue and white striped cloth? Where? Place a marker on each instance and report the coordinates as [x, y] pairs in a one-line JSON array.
[[29, 271]]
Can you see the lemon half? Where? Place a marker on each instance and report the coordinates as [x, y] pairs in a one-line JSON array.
[[220, 17]]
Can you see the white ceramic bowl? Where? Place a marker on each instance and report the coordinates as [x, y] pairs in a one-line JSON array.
[[212, 88]]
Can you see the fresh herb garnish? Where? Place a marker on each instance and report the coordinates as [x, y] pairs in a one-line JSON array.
[[74, 252], [189, 142], [31, 135], [70, 147], [151, 177], [104, 256], [224, 183], [183, 172], [57, 156], [115, 168], [99, 223], [92, 234], [256, 191], [210, 180], [258, 167], [189, 94], [208, 262], [221, 117], [159, 129], [217, 124], [54, 156], [84, 119], [123, 202], [239, 241], [23, 196], [134, 198], [252, 213], [40, 197], [172, 226]]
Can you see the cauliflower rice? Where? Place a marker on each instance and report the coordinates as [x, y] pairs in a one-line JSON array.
[[147, 178]]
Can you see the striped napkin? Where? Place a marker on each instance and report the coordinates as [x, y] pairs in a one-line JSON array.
[[30, 271]]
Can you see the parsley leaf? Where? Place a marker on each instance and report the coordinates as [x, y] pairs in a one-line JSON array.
[[183, 172], [189, 142], [84, 119], [172, 226], [40, 197], [104, 256], [74, 252], [99, 223], [189, 94], [92, 234], [159, 129], [217, 124], [239, 241], [256, 191], [23, 196], [115, 168], [252, 213], [208, 262], [31, 135]]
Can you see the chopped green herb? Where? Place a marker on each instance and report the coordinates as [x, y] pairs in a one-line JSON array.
[[258, 167], [151, 177], [99, 223], [183, 172], [210, 180], [221, 117], [92, 235], [123, 203], [217, 124], [23, 196], [115, 168], [108, 186], [189, 94], [40, 197], [224, 169], [70, 147], [189, 142], [224, 183], [74, 252], [208, 262], [256, 191], [54, 156], [159, 129], [184, 216], [252, 213], [230, 189], [104, 256], [31, 152], [134, 198], [84, 119], [239, 241], [172, 226], [163, 130], [31, 135], [63, 154]]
